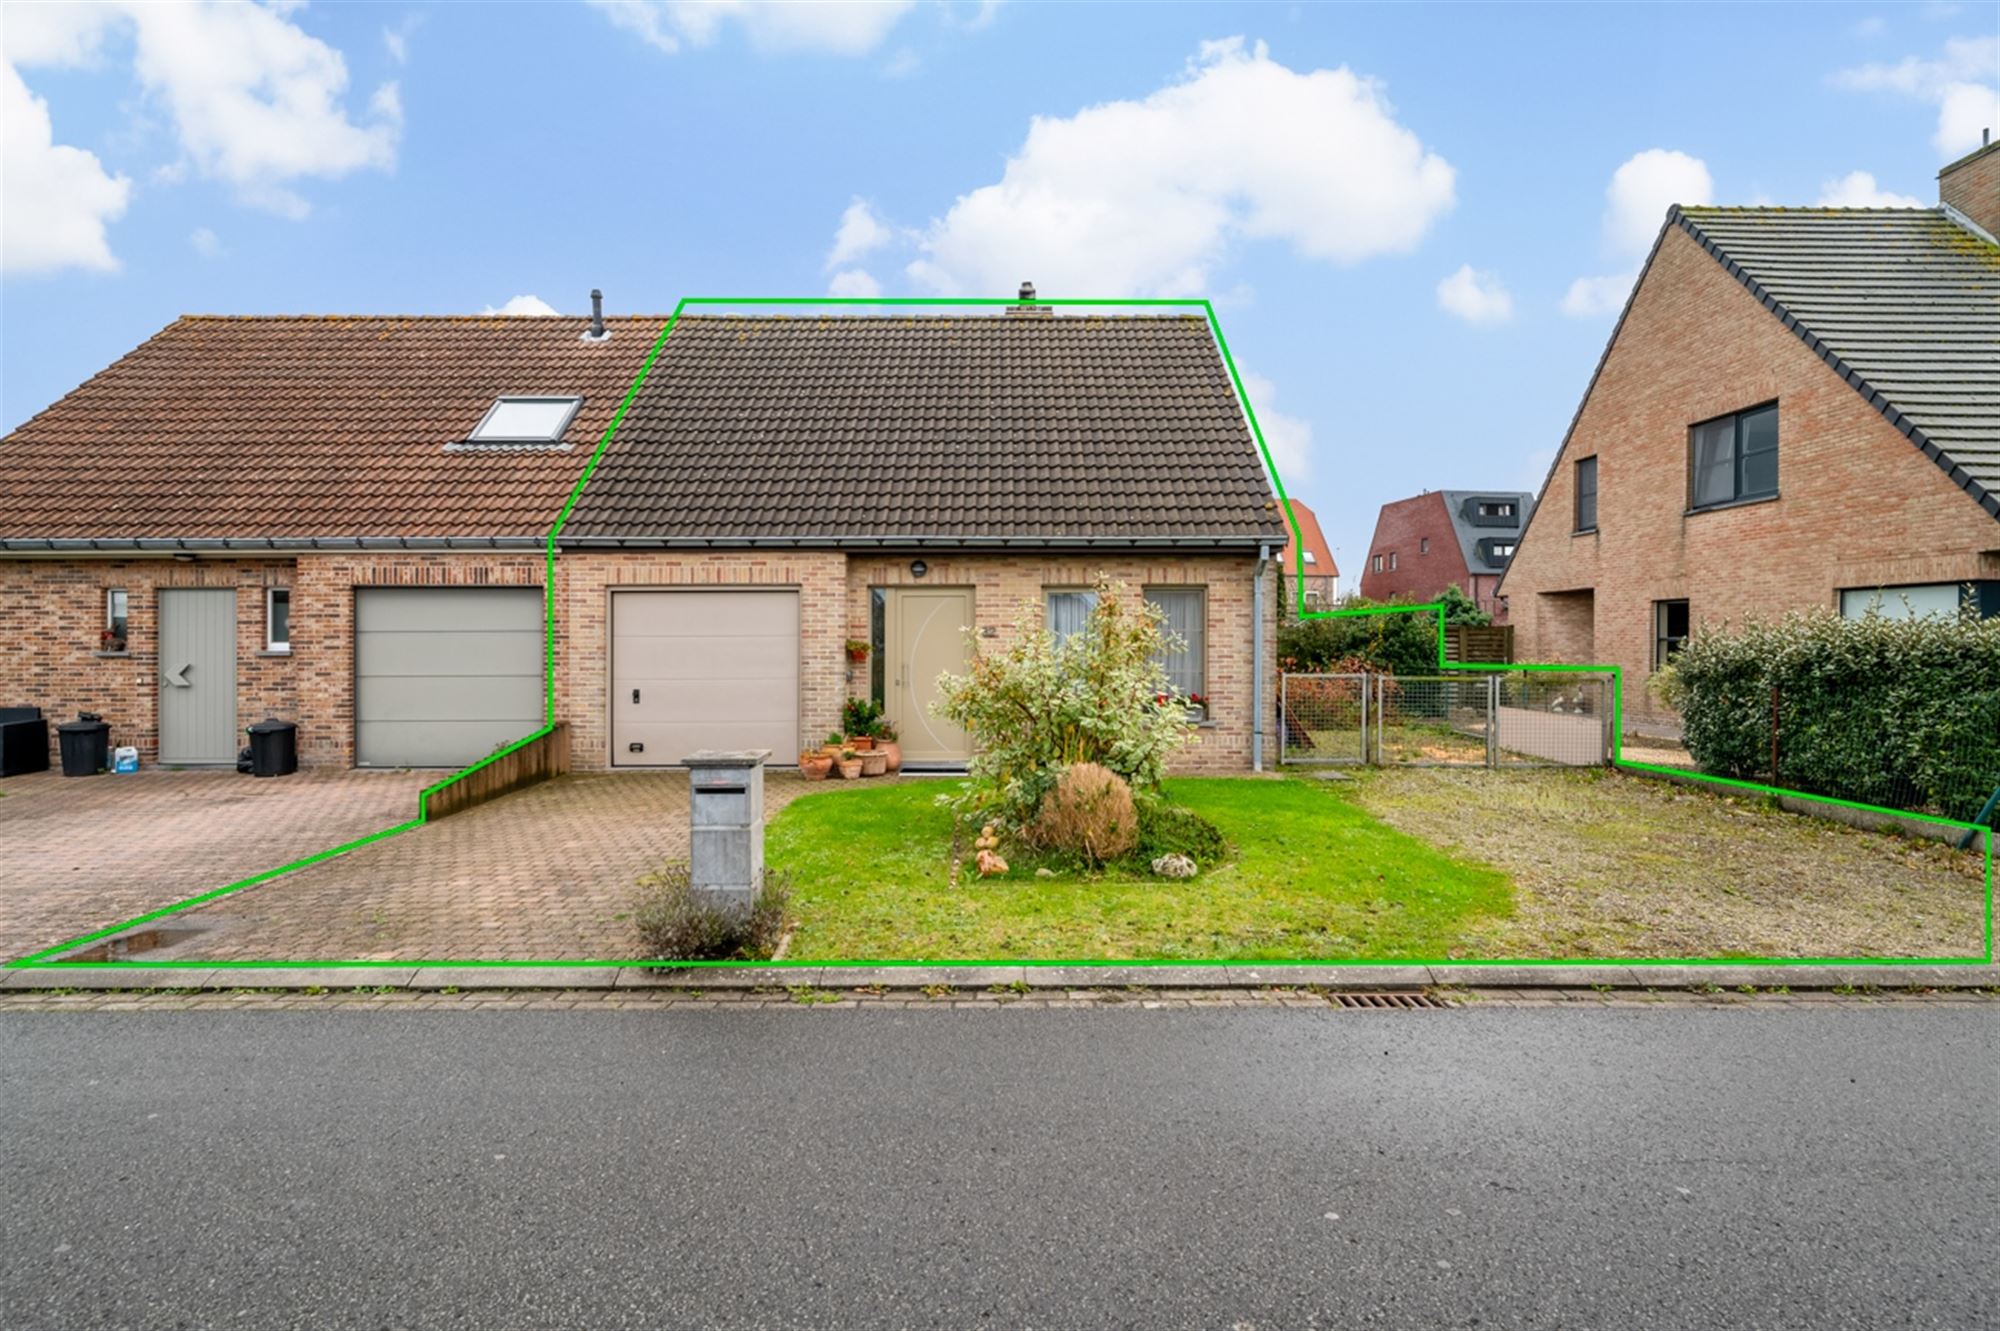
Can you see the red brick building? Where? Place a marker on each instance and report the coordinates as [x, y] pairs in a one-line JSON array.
[[345, 523], [1307, 572], [1446, 538], [1799, 407]]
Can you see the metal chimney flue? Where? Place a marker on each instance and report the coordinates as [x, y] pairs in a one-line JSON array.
[[597, 331]]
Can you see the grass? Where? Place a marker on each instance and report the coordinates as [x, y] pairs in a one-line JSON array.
[[1311, 876]]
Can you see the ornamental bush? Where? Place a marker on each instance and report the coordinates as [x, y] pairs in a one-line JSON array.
[[1089, 812], [1903, 713], [1038, 706], [1396, 644], [674, 924]]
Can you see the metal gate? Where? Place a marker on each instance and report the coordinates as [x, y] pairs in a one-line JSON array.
[[1483, 719]]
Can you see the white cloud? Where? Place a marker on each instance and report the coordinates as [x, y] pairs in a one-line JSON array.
[[1289, 438], [1963, 83], [1476, 296], [1643, 187], [1145, 198], [1590, 296], [54, 199], [839, 27], [255, 101], [206, 243], [521, 305], [861, 232], [1857, 189], [904, 63], [854, 282], [1869, 27]]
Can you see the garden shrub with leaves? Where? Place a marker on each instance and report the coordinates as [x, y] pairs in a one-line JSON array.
[[676, 925], [1038, 706], [1089, 813], [1398, 644], [1172, 829], [1903, 713]]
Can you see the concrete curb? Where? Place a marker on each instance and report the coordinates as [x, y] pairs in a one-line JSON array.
[[1798, 976]]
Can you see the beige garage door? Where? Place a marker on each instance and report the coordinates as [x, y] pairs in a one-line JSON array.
[[703, 670], [444, 675]]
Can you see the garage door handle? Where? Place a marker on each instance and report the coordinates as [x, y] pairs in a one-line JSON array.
[[635, 695]]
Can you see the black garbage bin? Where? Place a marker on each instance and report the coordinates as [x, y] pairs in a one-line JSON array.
[[85, 744], [274, 748]]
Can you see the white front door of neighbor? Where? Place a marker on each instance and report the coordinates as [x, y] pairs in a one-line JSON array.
[[704, 669], [198, 675], [923, 632]]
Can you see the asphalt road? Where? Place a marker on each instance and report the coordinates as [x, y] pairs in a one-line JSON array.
[[1680, 1167]]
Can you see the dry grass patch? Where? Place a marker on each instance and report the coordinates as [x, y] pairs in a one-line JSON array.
[[1609, 865]]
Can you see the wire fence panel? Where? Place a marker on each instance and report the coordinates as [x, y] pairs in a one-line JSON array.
[[1440, 722], [1551, 719], [1820, 750], [1323, 718]]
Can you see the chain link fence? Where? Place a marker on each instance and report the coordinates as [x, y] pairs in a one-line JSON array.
[[1485, 719]]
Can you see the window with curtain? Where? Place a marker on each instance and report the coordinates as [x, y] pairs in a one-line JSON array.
[[1069, 611], [1186, 615], [1734, 458]]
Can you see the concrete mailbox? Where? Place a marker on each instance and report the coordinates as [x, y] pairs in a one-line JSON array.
[[726, 826]]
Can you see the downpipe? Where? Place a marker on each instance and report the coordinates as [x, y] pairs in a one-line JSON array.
[[1257, 659]]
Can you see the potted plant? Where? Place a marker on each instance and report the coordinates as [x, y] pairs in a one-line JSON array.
[[857, 650], [860, 716], [835, 742], [1197, 706], [886, 740], [814, 765], [874, 762], [850, 765]]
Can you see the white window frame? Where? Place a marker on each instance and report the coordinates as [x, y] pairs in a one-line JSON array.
[[271, 595], [479, 438], [111, 618]]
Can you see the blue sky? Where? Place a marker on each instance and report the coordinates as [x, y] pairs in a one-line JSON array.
[[1417, 223]]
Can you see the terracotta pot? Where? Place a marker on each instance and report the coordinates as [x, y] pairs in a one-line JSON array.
[[831, 752], [861, 743], [814, 766], [874, 763], [850, 770], [895, 754]]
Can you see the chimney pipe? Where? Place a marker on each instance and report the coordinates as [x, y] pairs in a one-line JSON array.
[[597, 332], [1027, 291]]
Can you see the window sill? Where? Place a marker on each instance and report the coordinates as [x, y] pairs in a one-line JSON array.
[[1584, 531], [276, 651], [111, 656], [1733, 503]]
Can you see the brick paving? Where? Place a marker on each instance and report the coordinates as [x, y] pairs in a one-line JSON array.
[[82, 854], [547, 873]]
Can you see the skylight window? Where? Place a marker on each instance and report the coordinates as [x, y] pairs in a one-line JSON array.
[[526, 420]]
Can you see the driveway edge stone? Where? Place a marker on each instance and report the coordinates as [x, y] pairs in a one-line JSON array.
[[1328, 977]]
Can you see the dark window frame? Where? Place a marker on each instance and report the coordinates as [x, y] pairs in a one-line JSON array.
[[1577, 475], [1666, 642], [1738, 495]]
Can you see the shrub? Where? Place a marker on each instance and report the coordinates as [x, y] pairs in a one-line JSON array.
[[860, 716], [1088, 813], [676, 925], [1398, 644], [1037, 707], [1169, 829], [1895, 712]]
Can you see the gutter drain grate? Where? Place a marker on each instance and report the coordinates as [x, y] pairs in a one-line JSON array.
[[1388, 1000]]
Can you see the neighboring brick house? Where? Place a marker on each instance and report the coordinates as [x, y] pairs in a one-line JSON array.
[[1307, 573], [343, 522], [1799, 407], [1446, 538]]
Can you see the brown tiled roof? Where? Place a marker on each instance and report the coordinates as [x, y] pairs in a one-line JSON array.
[[1314, 541], [886, 429], [314, 428]]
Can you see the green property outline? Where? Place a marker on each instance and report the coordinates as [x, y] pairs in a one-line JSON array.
[[40, 960]]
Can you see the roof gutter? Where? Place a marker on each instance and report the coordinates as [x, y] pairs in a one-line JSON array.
[[258, 544], [1245, 543]]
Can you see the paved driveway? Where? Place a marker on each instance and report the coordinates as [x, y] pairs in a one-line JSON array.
[[545, 874], [81, 854]]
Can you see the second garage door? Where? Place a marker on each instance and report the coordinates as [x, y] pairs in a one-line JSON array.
[[703, 670], [444, 675]]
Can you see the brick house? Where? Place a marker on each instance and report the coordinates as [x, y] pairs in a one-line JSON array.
[[344, 522], [1446, 538], [1798, 407], [1306, 567]]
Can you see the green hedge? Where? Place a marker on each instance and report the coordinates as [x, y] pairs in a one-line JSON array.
[[1395, 644], [1903, 713]]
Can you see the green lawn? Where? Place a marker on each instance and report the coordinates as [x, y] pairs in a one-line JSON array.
[[1311, 876]]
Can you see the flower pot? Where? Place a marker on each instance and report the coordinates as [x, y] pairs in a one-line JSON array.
[[861, 743], [815, 766], [874, 763], [894, 752], [850, 769]]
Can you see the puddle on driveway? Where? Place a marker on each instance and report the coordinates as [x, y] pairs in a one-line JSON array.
[[138, 944]]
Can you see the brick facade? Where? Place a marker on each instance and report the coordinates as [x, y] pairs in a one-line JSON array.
[[1972, 185], [1417, 533], [1857, 506]]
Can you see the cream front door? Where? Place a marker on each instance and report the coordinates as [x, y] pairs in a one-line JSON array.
[[923, 633]]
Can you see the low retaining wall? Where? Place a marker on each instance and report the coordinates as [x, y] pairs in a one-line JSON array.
[[537, 760]]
